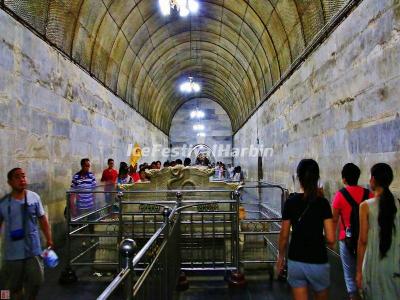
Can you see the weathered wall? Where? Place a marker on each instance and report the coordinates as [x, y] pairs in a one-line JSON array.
[[342, 104], [52, 114], [217, 128]]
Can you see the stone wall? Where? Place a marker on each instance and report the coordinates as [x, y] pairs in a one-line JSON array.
[[217, 128], [342, 104], [52, 114]]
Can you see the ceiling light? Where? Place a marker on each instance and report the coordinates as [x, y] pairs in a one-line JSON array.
[[193, 6], [165, 7], [184, 7], [198, 127], [190, 86], [197, 114]]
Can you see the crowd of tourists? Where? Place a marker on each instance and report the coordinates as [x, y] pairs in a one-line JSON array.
[[369, 235], [369, 229]]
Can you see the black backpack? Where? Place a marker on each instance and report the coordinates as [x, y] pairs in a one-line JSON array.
[[352, 232]]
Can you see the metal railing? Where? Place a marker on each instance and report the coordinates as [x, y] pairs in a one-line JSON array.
[[158, 268], [175, 230], [259, 229]]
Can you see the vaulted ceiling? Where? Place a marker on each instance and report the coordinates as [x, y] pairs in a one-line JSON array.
[[237, 49]]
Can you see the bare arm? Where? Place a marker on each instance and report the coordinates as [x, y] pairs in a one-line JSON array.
[[329, 233], [362, 241], [283, 241], [335, 219], [45, 226]]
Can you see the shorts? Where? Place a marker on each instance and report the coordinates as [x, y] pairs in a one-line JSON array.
[[25, 273], [303, 274]]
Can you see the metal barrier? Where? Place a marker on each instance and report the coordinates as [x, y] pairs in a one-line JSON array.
[[156, 262], [175, 230], [259, 229], [208, 223]]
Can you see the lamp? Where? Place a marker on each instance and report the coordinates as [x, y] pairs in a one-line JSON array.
[[190, 86], [184, 7], [198, 127]]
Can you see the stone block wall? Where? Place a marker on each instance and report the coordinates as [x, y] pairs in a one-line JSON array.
[[341, 105], [52, 114], [217, 128]]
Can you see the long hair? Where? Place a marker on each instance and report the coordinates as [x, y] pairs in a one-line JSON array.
[[123, 169], [308, 174], [383, 175]]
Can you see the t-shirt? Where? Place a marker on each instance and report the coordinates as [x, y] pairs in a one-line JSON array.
[[308, 242], [82, 181], [126, 180], [11, 216], [135, 177], [344, 208], [109, 175]]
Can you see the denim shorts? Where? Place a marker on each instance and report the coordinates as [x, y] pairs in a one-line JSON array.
[[303, 274]]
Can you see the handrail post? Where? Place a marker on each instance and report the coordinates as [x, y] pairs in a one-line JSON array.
[[237, 230], [183, 283], [179, 199], [68, 275], [120, 197], [166, 214], [127, 251], [237, 278]]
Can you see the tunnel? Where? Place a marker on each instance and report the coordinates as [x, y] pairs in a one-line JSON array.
[[219, 84]]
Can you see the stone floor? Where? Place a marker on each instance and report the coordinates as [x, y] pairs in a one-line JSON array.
[[201, 286]]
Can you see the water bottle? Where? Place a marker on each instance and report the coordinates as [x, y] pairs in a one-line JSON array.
[[50, 258], [348, 232]]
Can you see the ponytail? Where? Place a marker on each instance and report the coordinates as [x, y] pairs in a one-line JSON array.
[[383, 175], [386, 216], [308, 174]]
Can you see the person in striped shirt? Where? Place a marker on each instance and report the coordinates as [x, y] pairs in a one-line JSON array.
[[84, 180]]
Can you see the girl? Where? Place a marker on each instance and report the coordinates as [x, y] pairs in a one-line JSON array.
[[309, 215], [378, 259]]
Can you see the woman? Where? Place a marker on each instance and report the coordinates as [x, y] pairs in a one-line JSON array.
[[123, 174], [378, 259], [309, 215]]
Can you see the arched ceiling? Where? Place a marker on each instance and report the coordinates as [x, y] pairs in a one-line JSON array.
[[237, 49]]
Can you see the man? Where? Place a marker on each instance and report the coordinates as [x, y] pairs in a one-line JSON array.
[[20, 211], [342, 208], [83, 180], [109, 177]]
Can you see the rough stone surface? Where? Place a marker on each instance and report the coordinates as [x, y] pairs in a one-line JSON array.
[[342, 104], [52, 114], [237, 49]]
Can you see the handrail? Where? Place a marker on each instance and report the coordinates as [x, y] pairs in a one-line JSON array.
[[114, 284], [147, 246], [92, 191]]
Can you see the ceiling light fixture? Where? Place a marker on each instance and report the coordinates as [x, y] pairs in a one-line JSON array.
[[190, 86], [184, 7], [198, 127], [197, 114]]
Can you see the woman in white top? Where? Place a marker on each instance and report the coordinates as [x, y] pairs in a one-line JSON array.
[[378, 259]]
